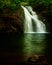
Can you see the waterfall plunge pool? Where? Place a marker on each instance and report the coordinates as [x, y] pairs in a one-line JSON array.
[[27, 44]]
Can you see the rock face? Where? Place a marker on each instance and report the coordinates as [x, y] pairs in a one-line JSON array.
[[11, 22]]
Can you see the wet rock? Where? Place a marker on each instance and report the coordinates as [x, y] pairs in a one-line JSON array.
[[10, 21]]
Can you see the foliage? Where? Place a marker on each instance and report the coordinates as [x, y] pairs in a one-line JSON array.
[[13, 4], [46, 3]]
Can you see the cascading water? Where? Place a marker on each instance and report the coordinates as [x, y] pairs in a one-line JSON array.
[[29, 16], [33, 43]]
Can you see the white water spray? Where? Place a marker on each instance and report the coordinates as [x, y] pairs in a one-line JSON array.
[[29, 16]]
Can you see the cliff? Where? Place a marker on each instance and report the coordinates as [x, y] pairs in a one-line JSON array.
[[11, 21]]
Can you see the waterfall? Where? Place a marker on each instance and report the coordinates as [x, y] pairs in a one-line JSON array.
[[30, 17]]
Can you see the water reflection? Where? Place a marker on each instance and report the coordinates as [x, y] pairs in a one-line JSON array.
[[34, 43]]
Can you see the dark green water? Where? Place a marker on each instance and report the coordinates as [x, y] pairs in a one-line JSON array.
[[27, 43], [34, 43]]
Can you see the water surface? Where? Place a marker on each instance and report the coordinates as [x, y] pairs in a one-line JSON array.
[[27, 43]]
